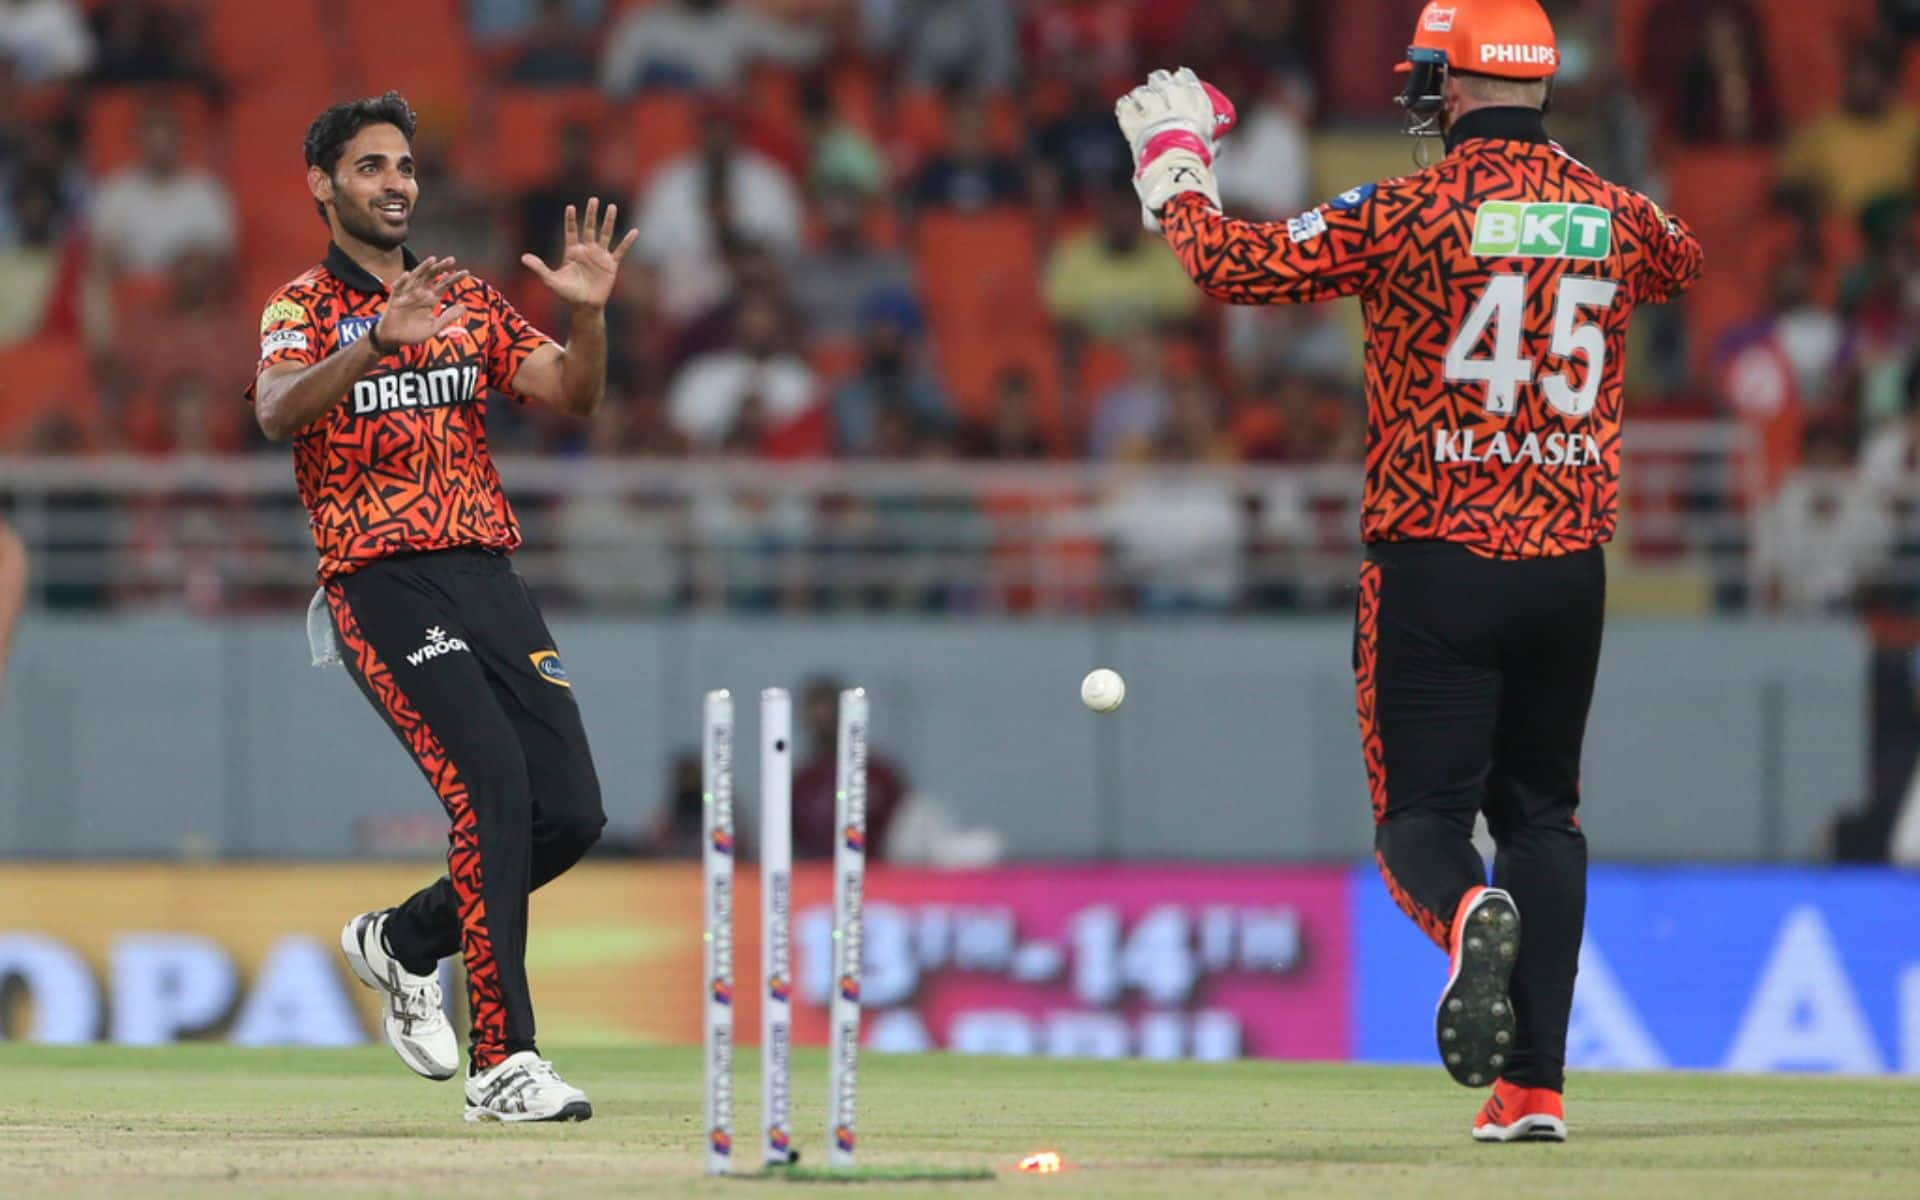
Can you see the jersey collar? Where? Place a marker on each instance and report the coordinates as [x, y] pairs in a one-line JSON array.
[[341, 266], [1499, 124]]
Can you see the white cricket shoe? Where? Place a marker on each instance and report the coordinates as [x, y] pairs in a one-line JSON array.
[[524, 1087], [416, 1026]]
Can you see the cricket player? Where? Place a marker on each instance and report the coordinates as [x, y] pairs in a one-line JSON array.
[[380, 366], [1496, 286]]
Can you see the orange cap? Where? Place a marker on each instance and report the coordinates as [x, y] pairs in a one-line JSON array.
[[1509, 38]]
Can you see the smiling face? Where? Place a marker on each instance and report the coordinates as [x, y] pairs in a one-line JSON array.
[[372, 191]]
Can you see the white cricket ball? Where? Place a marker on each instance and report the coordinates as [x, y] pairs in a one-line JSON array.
[[1103, 690]]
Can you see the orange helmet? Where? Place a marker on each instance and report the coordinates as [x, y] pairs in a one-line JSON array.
[[1512, 39]]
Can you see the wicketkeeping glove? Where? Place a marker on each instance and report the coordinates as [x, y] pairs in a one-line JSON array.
[[1174, 123]]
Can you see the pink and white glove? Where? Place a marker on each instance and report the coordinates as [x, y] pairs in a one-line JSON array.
[[1174, 124]]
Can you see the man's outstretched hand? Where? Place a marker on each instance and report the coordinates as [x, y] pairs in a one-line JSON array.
[[412, 302], [588, 264]]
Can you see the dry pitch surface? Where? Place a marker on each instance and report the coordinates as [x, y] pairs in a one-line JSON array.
[[215, 1121]]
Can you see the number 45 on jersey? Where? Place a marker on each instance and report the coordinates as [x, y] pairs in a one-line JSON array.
[[1572, 231]]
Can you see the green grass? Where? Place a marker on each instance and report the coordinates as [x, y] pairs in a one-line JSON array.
[[215, 1121]]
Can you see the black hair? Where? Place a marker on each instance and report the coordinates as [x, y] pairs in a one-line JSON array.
[[330, 132]]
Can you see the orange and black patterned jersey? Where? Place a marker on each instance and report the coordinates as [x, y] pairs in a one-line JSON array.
[[1497, 286], [400, 464]]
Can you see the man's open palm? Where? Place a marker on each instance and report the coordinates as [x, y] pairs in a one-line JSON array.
[[590, 260]]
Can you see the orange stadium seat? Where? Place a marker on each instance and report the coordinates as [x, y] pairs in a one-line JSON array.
[[419, 48], [774, 97], [923, 114], [520, 148], [855, 97], [249, 42], [979, 282], [113, 124], [1721, 194], [665, 125], [42, 377], [1805, 44]]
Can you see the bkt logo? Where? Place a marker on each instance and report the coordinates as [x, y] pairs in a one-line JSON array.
[[1504, 227], [438, 643], [856, 838]]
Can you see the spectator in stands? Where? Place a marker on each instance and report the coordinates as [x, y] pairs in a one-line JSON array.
[[147, 216], [1822, 536], [1099, 38], [148, 362], [751, 270], [755, 397], [969, 174], [1704, 65], [1890, 462], [840, 157], [1012, 433], [893, 383], [720, 193], [505, 20], [834, 281], [1866, 148], [1129, 416], [45, 40], [1112, 279], [705, 45], [1240, 42], [970, 44], [1879, 300], [1076, 158], [556, 52], [577, 174], [459, 217], [816, 822], [1265, 175], [141, 42], [1180, 537], [41, 272]]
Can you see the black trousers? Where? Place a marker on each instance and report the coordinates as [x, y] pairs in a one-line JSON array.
[[452, 651], [1474, 679]]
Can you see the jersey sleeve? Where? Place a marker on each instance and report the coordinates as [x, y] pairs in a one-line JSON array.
[[1342, 248], [1668, 256], [288, 333], [511, 340]]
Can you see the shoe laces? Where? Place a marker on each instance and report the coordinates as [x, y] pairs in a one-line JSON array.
[[422, 1002]]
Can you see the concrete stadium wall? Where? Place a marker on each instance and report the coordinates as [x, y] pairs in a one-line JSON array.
[[165, 736]]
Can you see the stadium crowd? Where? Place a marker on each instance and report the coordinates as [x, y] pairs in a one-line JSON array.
[[902, 229]]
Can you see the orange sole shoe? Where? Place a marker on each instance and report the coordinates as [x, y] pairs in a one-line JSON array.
[[1521, 1114], [1473, 1023]]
